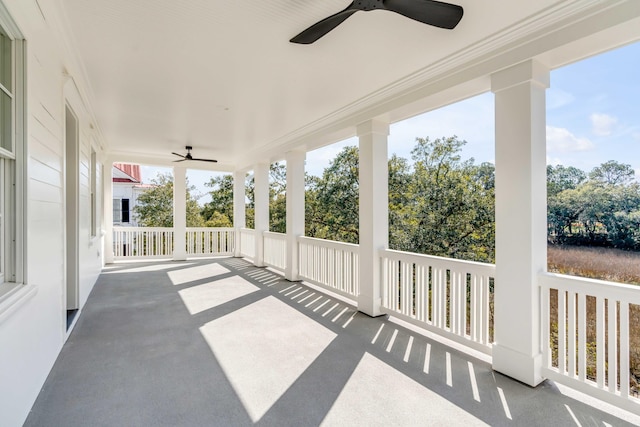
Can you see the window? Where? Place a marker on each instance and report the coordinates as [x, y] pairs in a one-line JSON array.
[[125, 210], [12, 156], [120, 210], [116, 211]]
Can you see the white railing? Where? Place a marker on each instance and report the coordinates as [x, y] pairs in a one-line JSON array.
[[447, 296], [247, 243], [579, 314], [275, 250], [207, 241], [142, 242], [330, 264]]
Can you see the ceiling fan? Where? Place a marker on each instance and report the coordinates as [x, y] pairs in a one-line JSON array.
[[431, 12], [188, 156]]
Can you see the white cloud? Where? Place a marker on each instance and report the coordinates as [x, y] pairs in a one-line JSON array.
[[560, 140], [555, 161], [557, 98], [602, 124]]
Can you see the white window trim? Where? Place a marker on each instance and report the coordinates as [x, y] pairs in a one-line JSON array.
[[116, 219], [15, 293]]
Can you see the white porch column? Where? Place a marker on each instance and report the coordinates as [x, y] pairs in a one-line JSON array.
[[107, 191], [179, 213], [374, 211], [295, 210], [520, 218], [261, 194], [239, 219]]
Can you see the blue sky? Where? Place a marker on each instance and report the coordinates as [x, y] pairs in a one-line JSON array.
[[593, 115]]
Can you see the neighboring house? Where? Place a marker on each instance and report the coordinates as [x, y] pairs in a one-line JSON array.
[[127, 186]]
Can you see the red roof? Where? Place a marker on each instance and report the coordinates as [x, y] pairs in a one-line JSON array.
[[132, 170]]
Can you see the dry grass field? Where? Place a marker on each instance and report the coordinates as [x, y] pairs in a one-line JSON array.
[[597, 263], [605, 264]]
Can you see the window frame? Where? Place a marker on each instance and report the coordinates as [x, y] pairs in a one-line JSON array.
[[13, 254], [117, 210]]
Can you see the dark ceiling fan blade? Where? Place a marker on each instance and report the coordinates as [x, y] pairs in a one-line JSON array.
[[438, 14], [181, 160], [179, 155], [205, 160], [321, 28]]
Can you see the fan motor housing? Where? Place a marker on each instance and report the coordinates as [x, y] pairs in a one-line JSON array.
[[368, 5]]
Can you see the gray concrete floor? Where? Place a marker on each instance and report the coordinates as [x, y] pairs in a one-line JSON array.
[[222, 343]]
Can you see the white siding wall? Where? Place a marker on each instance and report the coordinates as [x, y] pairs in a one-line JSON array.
[[33, 333]]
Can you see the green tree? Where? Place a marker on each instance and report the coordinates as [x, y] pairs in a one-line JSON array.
[[602, 210], [220, 209], [402, 223], [612, 173], [155, 205], [222, 199], [455, 202], [332, 200], [560, 178], [278, 198]]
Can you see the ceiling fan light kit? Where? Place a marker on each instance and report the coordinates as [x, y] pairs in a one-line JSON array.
[[430, 12]]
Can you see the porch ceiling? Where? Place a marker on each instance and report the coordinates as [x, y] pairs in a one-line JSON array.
[[223, 77]]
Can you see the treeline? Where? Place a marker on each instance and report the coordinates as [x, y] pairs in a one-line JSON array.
[[601, 208], [439, 204]]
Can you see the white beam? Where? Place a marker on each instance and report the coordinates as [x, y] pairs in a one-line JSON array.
[[295, 210], [239, 213], [261, 194], [374, 211], [520, 218], [179, 213]]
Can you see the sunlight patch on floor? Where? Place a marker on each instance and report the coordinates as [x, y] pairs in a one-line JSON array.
[[186, 275], [208, 295], [263, 348], [379, 395]]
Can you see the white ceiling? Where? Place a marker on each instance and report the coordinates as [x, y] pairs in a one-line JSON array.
[[223, 77]]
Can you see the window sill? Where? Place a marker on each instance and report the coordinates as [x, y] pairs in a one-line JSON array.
[[12, 296]]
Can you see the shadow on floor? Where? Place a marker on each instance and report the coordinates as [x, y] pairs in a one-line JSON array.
[[219, 342]]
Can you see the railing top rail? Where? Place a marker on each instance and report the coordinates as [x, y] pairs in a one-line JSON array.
[[132, 229], [330, 243], [437, 260], [593, 287], [210, 228], [274, 235]]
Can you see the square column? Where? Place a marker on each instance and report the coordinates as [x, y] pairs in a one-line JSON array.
[[261, 194], [521, 202], [239, 219], [179, 213], [295, 210], [107, 190], [374, 211]]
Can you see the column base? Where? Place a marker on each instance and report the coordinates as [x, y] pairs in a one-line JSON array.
[[369, 306], [179, 257], [522, 367]]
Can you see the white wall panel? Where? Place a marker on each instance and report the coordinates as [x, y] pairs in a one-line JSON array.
[[32, 335]]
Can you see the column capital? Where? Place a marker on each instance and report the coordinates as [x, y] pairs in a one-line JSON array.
[[373, 127], [530, 71]]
